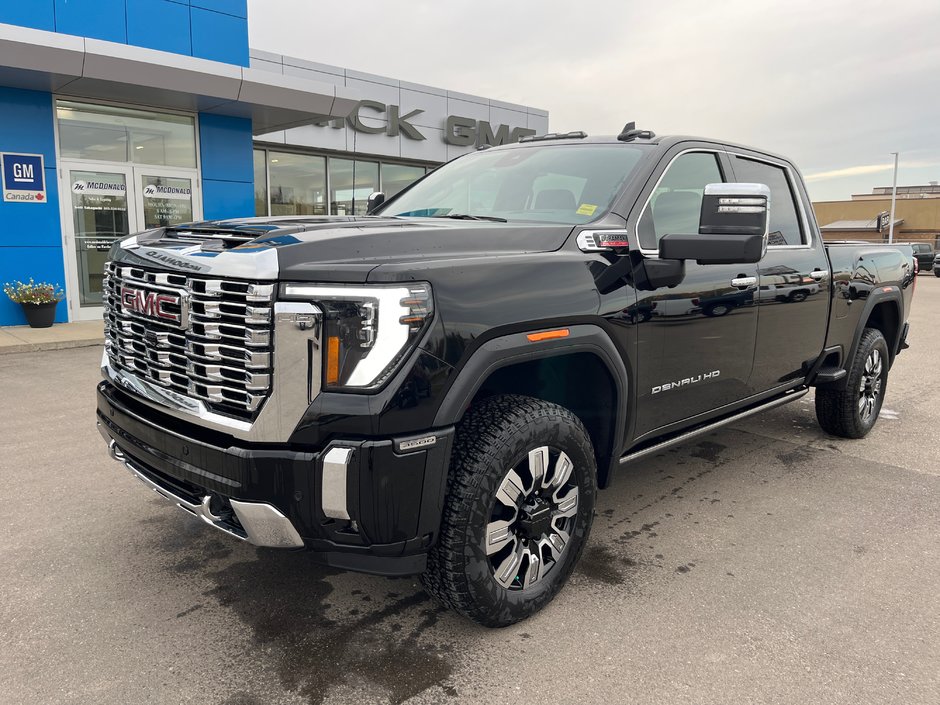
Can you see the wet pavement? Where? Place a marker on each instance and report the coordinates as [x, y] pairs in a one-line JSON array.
[[764, 563]]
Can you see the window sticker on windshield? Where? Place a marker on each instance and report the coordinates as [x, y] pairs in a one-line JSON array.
[[586, 209]]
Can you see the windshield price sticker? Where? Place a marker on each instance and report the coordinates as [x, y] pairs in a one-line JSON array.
[[24, 178]]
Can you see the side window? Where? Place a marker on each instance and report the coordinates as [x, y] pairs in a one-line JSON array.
[[784, 217], [676, 204]]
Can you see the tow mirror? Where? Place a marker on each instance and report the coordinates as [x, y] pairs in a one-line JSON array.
[[733, 227], [376, 199]]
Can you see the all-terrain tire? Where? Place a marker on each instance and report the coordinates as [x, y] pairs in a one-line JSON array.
[[842, 412], [495, 438]]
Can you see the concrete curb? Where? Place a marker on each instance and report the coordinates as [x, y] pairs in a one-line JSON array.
[[23, 339], [41, 347]]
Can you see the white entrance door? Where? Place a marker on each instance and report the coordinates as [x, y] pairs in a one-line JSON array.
[[107, 202]]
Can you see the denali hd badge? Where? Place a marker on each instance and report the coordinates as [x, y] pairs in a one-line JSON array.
[[159, 305], [666, 386]]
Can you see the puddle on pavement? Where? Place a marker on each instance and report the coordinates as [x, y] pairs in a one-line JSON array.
[[321, 639]]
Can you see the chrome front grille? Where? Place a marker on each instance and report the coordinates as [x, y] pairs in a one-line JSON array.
[[209, 339]]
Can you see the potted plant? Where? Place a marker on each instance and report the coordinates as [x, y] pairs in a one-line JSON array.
[[38, 300]]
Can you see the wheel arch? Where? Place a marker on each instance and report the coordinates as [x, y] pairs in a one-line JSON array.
[[884, 314], [584, 372]]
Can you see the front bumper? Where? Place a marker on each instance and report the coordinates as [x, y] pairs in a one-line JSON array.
[[361, 504]]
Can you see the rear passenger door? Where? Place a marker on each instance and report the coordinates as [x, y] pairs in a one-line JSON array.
[[793, 298]]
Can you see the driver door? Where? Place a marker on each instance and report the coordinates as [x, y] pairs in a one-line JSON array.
[[695, 353]]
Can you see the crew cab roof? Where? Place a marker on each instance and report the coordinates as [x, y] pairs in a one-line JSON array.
[[663, 142]]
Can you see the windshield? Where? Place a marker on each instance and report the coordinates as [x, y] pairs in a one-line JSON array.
[[549, 183]]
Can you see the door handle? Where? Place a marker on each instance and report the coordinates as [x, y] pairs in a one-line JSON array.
[[742, 282], [819, 274]]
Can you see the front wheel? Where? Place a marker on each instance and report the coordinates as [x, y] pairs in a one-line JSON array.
[[851, 412], [518, 511]]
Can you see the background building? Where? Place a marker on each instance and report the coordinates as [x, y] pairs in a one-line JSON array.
[[866, 216], [122, 115]]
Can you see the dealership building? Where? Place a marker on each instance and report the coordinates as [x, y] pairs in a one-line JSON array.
[[122, 115]]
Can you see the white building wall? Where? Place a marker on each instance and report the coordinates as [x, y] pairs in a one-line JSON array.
[[435, 104]]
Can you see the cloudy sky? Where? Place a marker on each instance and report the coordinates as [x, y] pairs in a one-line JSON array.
[[834, 84]]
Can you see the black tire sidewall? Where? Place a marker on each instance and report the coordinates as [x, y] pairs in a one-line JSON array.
[[500, 605]]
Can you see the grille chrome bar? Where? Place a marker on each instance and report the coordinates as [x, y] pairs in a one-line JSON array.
[[221, 353]]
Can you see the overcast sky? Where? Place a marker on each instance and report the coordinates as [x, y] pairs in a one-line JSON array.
[[835, 85]]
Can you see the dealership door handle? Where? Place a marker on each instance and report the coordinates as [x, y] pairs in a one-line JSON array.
[[743, 282], [819, 274]]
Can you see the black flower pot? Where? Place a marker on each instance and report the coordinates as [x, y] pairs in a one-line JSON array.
[[40, 315]]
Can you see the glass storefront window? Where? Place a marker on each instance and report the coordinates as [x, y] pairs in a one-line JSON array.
[[167, 200], [351, 183], [298, 184], [100, 216], [395, 177], [261, 183], [113, 134]]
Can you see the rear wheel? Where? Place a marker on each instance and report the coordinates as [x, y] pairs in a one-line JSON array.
[[852, 412], [518, 510]]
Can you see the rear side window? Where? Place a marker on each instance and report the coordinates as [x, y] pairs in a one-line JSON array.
[[785, 228], [676, 204]]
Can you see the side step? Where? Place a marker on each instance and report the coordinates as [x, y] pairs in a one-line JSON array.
[[829, 374], [689, 435]]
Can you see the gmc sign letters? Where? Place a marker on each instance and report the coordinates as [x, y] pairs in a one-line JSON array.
[[458, 131]]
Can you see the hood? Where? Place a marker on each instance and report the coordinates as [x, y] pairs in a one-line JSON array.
[[329, 248]]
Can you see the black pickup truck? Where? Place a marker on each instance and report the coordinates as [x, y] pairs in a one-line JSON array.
[[441, 387]]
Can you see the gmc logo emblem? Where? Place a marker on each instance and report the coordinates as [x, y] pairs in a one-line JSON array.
[[153, 304]]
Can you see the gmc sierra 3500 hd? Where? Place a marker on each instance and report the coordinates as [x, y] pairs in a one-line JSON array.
[[440, 387]]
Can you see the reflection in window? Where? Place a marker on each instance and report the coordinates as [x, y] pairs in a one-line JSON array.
[[351, 183], [676, 204], [261, 183], [298, 184], [395, 177], [784, 221], [114, 134]]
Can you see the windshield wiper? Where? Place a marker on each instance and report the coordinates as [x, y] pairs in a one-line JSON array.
[[467, 216]]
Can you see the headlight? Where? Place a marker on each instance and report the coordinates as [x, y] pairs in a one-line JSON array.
[[367, 330]]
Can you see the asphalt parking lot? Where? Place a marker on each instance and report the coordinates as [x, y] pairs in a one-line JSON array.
[[765, 563]]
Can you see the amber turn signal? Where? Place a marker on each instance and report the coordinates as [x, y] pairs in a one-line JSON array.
[[548, 335], [332, 359]]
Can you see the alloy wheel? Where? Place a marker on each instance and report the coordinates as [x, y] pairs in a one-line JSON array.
[[532, 518], [871, 385]]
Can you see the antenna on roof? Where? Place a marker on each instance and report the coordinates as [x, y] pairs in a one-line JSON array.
[[630, 133]]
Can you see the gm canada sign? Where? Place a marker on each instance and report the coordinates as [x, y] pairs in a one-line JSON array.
[[459, 131], [24, 178]]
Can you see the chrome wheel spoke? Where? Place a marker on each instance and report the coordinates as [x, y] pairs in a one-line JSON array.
[[567, 505], [862, 402], [499, 534], [534, 571], [508, 570], [538, 464], [511, 491], [559, 538], [562, 472]]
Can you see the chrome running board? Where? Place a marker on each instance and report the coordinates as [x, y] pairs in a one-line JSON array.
[[682, 438]]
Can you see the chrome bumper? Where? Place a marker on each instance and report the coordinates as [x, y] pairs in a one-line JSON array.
[[261, 524]]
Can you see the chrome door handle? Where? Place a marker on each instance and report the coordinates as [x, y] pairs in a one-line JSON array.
[[741, 282], [819, 274]]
